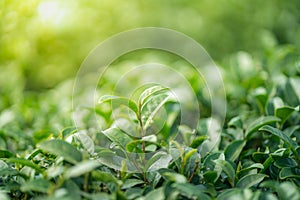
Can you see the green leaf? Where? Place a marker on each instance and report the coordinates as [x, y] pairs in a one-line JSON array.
[[86, 142], [228, 169], [104, 176], [279, 134], [154, 160], [37, 185], [197, 141], [25, 162], [285, 112], [149, 118], [118, 137], [236, 122], [131, 183], [232, 151], [148, 93], [82, 168], [190, 191], [211, 176], [288, 190], [288, 172], [285, 162], [157, 194], [120, 101], [250, 180], [68, 131], [251, 167], [174, 177], [254, 126], [63, 149], [6, 154]]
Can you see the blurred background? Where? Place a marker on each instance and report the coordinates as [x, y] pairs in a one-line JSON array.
[[43, 42]]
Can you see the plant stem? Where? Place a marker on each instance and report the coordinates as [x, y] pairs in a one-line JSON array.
[[194, 170]]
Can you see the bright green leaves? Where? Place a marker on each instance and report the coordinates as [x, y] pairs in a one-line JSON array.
[[117, 101], [63, 149], [149, 93]]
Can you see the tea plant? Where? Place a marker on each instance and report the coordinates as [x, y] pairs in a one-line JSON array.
[[137, 155]]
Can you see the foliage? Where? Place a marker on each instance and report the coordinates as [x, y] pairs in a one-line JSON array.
[[132, 151], [258, 156]]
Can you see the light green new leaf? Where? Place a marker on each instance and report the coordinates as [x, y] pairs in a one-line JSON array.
[[174, 177], [63, 149], [149, 117], [82, 168], [250, 180], [254, 126], [120, 101], [148, 93]]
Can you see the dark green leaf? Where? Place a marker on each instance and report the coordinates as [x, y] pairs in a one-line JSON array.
[[6, 154], [232, 151], [279, 134], [228, 169], [288, 172], [285, 162]]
